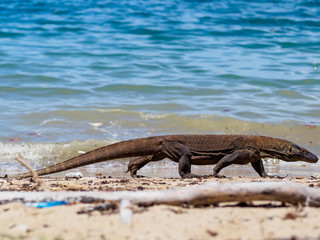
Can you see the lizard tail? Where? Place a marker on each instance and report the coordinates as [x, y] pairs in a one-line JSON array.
[[125, 149]]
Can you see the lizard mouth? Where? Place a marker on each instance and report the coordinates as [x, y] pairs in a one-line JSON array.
[[314, 159], [310, 157]]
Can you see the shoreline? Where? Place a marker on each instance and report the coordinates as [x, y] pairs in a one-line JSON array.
[[168, 169]]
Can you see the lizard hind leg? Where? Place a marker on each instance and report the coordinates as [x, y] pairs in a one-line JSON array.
[[180, 153], [137, 163]]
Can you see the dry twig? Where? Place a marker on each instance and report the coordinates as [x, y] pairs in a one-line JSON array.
[[34, 174]]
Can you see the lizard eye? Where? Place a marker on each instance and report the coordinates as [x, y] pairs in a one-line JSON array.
[[304, 151]]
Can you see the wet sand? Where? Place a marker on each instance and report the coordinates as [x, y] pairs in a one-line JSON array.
[[253, 220]]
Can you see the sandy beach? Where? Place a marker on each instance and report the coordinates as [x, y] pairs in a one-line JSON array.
[[80, 75], [251, 220]]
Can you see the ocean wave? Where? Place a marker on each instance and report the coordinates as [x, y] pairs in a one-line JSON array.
[[69, 125], [108, 70]]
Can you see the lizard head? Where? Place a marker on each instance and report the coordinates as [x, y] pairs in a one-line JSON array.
[[297, 153]]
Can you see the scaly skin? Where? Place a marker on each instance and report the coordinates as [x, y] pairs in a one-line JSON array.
[[222, 150]]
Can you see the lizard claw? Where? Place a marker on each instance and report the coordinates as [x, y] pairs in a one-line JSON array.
[[220, 176], [217, 175]]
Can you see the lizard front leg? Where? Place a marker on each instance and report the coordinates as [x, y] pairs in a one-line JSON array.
[[258, 166], [240, 157]]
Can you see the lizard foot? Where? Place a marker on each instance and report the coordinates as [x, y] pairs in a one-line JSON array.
[[134, 174], [139, 176], [277, 176], [190, 175]]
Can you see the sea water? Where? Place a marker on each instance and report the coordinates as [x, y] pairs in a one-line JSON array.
[[76, 75]]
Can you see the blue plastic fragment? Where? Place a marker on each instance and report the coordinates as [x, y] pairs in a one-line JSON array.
[[46, 204]]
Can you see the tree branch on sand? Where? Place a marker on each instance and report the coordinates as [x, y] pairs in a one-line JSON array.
[[210, 193]]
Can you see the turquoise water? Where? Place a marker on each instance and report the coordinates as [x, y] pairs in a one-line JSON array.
[[78, 74]]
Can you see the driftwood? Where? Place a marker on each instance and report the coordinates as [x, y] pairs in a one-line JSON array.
[[34, 174], [210, 193]]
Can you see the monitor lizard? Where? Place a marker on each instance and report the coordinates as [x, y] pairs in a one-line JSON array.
[[222, 150]]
